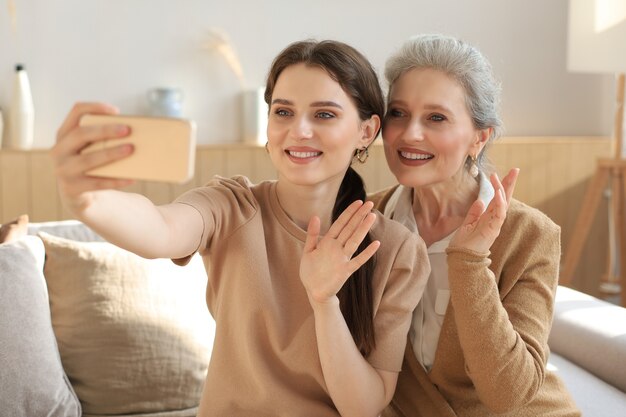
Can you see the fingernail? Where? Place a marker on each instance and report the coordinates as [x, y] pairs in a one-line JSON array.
[[122, 129], [111, 107]]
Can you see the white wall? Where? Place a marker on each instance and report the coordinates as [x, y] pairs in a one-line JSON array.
[[116, 50]]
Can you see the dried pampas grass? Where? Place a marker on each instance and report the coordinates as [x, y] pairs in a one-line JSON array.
[[219, 43], [12, 14]]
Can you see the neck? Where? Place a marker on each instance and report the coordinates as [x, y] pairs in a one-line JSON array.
[[301, 202], [439, 209]]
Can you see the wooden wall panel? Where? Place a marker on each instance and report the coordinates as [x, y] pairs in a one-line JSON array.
[[240, 161], [43, 194], [210, 162], [15, 184]]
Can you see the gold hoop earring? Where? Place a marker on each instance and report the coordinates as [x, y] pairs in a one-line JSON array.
[[473, 169], [361, 155]]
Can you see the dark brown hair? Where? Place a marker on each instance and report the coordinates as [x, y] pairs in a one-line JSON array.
[[357, 78]]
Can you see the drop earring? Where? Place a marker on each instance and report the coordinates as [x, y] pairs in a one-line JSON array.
[[266, 148], [361, 155], [473, 170]]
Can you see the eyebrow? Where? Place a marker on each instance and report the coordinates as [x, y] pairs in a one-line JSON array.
[[438, 107], [427, 106], [314, 104], [326, 104]]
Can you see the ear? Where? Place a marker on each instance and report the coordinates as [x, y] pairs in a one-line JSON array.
[[369, 130], [482, 137]]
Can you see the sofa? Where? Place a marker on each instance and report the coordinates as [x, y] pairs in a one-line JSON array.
[[89, 329]]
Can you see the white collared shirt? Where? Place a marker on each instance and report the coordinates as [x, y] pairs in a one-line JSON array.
[[430, 311]]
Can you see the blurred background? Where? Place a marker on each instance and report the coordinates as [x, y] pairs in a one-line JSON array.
[[115, 51]]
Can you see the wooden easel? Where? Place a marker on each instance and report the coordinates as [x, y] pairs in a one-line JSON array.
[[613, 169]]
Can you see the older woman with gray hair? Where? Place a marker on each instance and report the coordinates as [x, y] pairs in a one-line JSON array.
[[478, 339]]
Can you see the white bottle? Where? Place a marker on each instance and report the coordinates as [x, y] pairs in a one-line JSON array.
[[22, 113]]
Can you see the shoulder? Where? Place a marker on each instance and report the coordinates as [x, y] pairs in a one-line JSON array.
[[380, 198], [235, 183], [527, 236], [238, 185], [528, 220], [396, 240], [222, 193], [388, 229]]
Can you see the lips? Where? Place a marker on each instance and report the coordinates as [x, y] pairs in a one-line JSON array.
[[415, 155], [303, 155]]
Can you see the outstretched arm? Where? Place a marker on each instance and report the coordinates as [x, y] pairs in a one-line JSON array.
[[357, 389], [128, 220]]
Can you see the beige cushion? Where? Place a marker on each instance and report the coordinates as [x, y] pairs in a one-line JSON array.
[[134, 335], [68, 229]]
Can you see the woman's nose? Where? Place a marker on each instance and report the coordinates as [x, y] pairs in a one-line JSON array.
[[301, 128], [414, 131]]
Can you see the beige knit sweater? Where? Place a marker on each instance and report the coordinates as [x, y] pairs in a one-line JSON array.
[[492, 351]]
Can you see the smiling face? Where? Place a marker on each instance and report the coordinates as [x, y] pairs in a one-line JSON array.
[[314, 127], [428, 132]]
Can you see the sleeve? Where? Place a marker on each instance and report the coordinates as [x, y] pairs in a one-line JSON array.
[[406, 278], [225, 204], [504, 332]]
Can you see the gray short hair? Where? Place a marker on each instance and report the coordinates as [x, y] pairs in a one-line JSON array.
[[462, 62]]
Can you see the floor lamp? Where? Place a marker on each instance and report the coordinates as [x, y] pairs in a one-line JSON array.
[[597, 44]]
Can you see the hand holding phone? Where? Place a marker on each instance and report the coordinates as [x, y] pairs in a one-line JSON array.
[[164, 148]]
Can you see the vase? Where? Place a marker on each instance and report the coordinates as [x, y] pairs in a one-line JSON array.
[[254, 112], [165, 102], [21, 114]]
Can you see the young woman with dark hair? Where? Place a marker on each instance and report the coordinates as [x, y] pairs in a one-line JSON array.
[[311, 291]]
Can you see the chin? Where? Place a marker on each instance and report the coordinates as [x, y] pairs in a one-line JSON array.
[[411, 179]]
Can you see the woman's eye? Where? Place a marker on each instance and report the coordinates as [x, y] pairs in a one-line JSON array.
[[282, 112], [324, 115], [395, 113], [437, 118]]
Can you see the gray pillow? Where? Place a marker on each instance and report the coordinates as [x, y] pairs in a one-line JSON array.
[[68, 229], [32, 380]]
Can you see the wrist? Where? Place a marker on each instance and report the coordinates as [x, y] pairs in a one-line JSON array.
[[330, 304]]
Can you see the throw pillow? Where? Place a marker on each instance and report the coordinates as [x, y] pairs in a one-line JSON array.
[[135, 335], [32, 381], [14, 230], [68, 229]]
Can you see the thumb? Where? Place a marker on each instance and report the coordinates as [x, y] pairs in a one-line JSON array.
[[312, 234]]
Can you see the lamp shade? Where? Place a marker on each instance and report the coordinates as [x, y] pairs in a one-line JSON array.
[[597, 36]]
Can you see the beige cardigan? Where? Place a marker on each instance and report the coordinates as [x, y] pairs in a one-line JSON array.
[[492, 351]]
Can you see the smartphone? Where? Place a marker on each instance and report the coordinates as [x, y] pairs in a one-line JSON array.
[[165, 148]]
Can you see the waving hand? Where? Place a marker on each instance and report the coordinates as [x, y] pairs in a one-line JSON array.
[[481, 227], [327, 262]]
